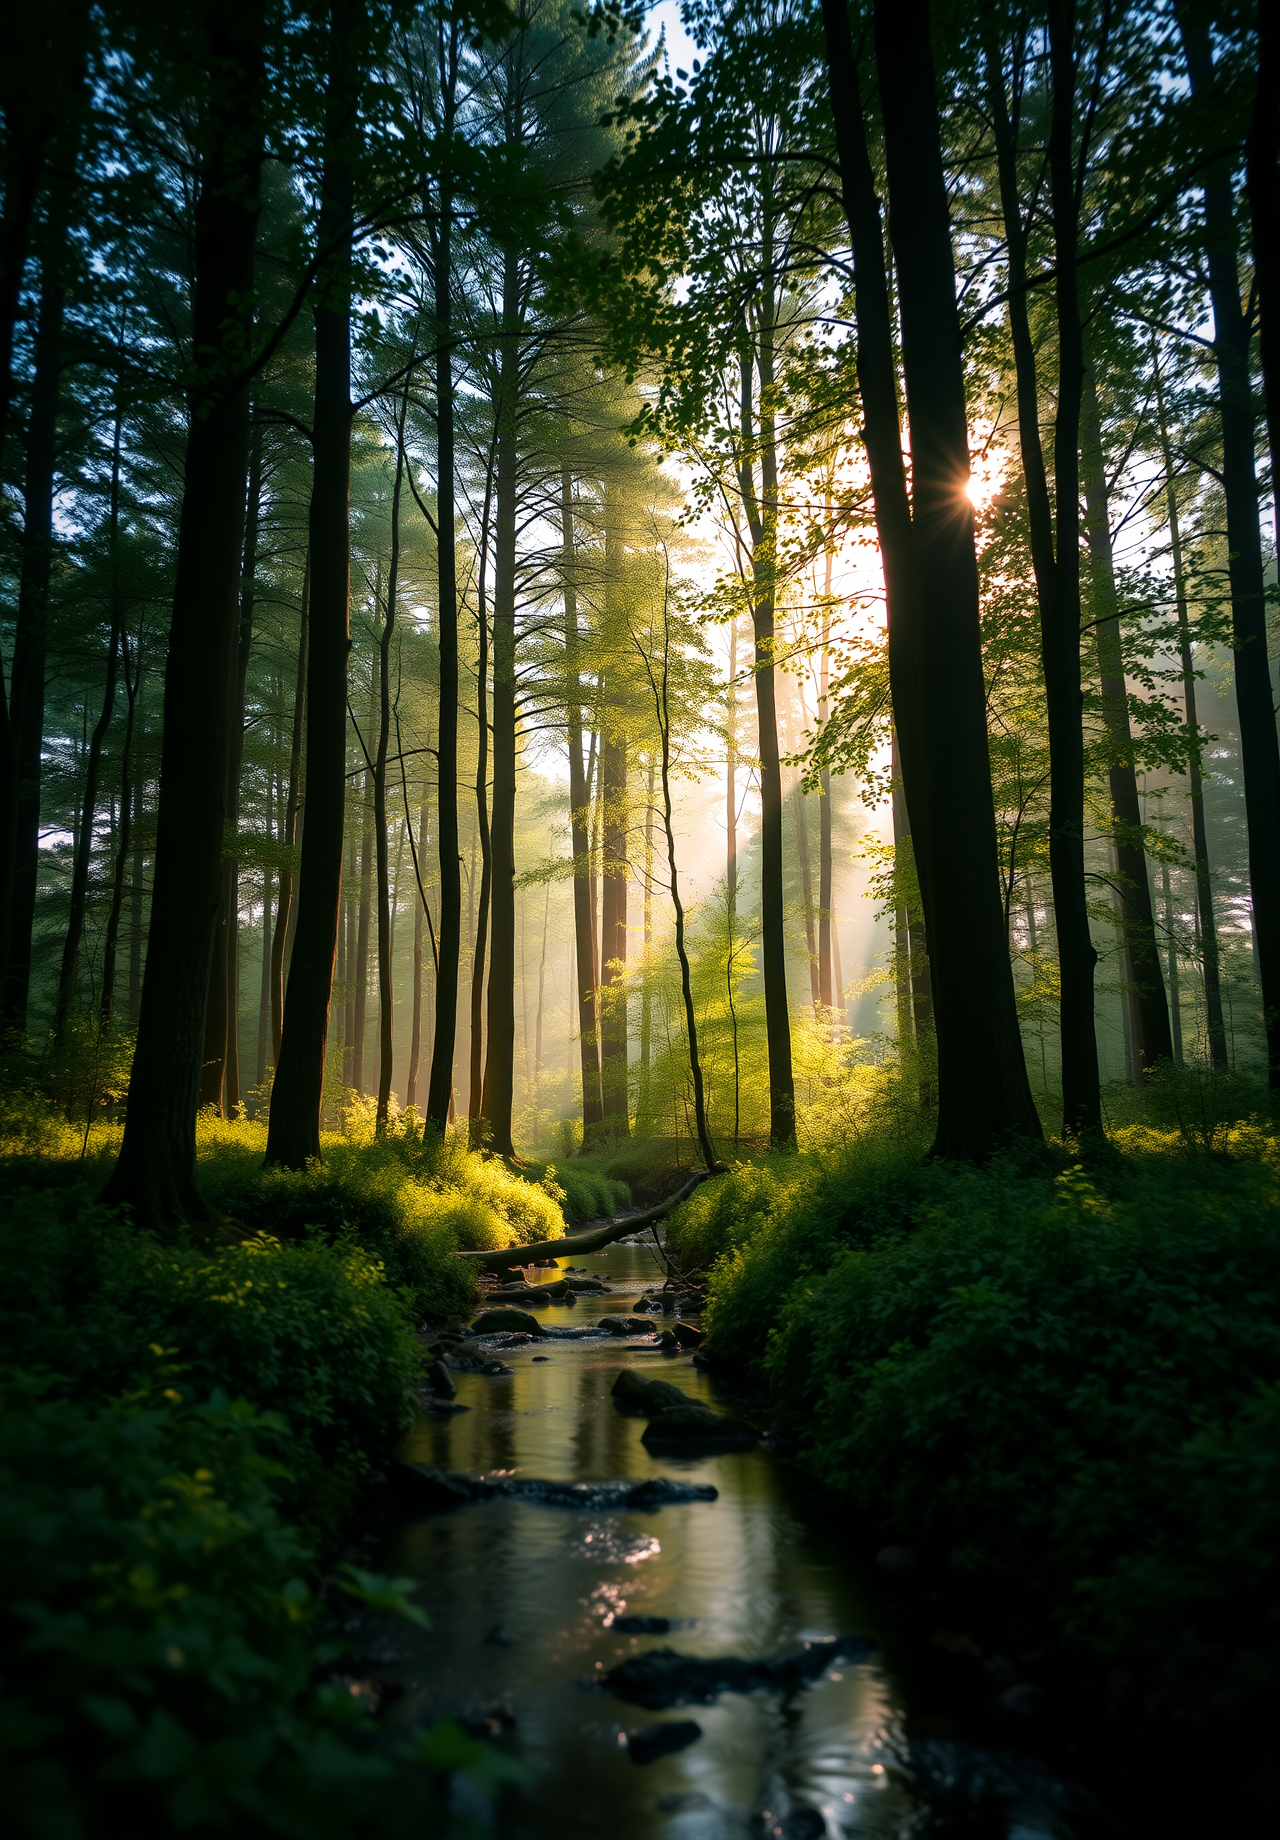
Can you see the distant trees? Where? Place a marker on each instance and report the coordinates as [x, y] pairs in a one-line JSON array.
[[370, 378]]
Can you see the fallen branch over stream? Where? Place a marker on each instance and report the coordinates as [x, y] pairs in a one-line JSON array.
[[591, 1239]]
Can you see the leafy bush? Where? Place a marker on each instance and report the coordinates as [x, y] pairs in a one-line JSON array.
[[310, 1332], [158, 1635], [1075, 1390], [588, 1194], [768, 1223], [377, 1206]]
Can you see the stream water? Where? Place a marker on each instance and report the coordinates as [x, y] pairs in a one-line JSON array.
[[523, 1600]]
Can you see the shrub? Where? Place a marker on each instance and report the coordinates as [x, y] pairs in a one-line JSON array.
[[766, 1224], [1074, 1390], [374, 1203], [158, 1638], [586, 1192], [308, 1331]]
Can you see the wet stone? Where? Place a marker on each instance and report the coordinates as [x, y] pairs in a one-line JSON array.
[[422, 1487], [663, 1677], [654, 1741], [496, 1322], [693, 1425]]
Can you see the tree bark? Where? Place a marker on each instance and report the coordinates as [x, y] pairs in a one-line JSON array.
[[285, 906], [385, 993], [646, 991], [220, 1072], [1055, 557], [1262, 157], [155, 1174], [762, 514], [984, 1097], [360, 1016], [659, 688], [614, 1030], [1152, 1040], [480, 923], [579, 831], [130, 804], [293, 1134], [263, 1038], [440, 1084], [824, 808], [499, 1065], [415, 1027], [1260, 756], [20, 813], [84, 840], [1215, 1025]]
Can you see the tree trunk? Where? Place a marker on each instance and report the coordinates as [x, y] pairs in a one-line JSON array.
[[499, 1065], [415, 1029], [1262, 155], [661, 704], [222, 1022], [1152, 1040], [542, 985], [824, 809], [286, 907], [84, 841], [1260, 756], [360, 1018], [20, 814], [806, 889], [579, 829], [155, 1173], [901, 917], [614, 1030], [984, 1097], [440, 1084], [1055, 559], [385, 995], [762, 517], [731, 781], [1175, 1011], [1215, 1026], [646, 991], [293, 1134], [480, 921], [264, 988], [130, 802], [137, 877]]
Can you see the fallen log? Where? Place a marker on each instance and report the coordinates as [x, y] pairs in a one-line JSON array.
[[591, 1239]]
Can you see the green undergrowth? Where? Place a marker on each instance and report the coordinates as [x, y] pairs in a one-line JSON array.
[[1064, 1379], [311, 1332], [597, 1184], [183, 1428], [409, 1205]]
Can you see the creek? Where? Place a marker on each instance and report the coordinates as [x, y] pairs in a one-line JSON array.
[[524, 1602]]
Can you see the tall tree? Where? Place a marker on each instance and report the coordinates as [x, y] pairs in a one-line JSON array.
[[931, 584], [293, 1135], [155, 1172], [1255, 700], [1152, 1038]]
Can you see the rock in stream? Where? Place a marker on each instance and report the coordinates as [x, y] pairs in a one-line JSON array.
[[420, 1486], [664, 1677], [677, 1421]]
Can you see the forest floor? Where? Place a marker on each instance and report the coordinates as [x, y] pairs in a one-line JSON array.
[[1049, 1388]]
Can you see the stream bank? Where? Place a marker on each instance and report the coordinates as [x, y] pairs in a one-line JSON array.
[[532, 1603]]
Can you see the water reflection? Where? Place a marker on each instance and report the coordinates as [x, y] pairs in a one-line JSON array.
[[522, 1599]]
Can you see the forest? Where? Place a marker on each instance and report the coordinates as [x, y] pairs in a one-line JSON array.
[[643, 634]]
